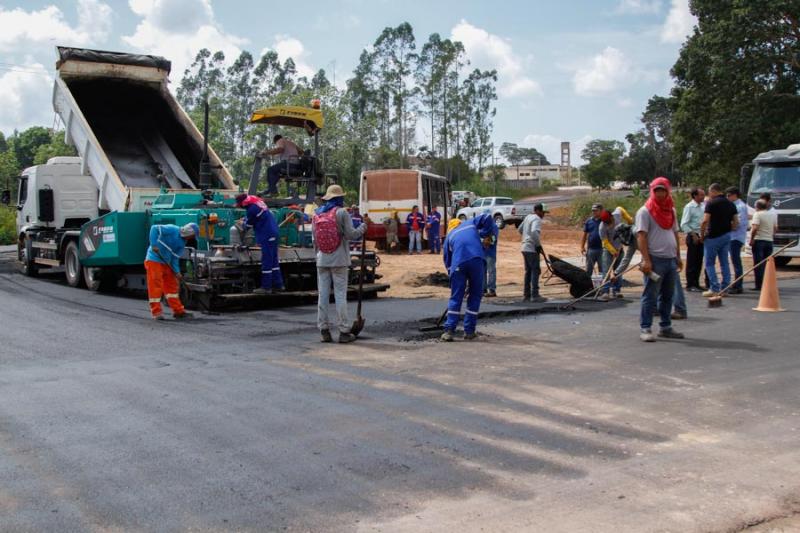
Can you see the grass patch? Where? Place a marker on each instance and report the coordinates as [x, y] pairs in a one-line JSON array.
[[8, 225], [581, 207]]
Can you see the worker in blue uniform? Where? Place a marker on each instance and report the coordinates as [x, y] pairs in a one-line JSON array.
[[434, 239], [465, 259], [267, 233]]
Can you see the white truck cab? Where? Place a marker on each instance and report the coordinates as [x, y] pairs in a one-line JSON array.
[[74, 196], [54, 200]]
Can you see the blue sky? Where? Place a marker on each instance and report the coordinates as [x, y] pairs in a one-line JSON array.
[[568, 70]]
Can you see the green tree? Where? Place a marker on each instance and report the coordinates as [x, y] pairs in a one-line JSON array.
[[26, 143], [737, 86], [56, 147], [604, 158]]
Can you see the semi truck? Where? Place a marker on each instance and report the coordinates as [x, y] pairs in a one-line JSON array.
[[142, 161], [777, 172]]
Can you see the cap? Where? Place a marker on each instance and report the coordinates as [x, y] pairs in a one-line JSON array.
[[189, 230], [541, 207], [597, 206], [334, 191]]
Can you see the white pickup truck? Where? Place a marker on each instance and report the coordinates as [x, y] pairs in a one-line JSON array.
[[502, 209]]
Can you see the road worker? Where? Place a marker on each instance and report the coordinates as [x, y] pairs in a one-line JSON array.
[[266, 231], [163, 267], [465, 260], [433, 224]]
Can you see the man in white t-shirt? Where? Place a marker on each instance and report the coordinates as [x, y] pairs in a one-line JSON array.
[[288, 157], [762, 233]]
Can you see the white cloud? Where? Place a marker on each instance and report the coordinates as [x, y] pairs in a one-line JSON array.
[[25, 97], [20, 29], [638, 7], [286, 46], [489, 51], [177, 29], [604, 73], [550, 146], [679, 23]]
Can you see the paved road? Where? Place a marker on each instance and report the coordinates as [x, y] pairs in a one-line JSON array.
[[550, 422]]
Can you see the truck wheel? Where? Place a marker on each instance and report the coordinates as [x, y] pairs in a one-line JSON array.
[[498, 219], [99, 279], [782, 261], [72, 265], [25, 256]]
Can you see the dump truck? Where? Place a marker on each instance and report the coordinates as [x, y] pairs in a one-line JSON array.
[[777, 172], [142, 161]]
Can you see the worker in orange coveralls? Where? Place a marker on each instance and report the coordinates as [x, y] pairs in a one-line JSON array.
[[162, 263]]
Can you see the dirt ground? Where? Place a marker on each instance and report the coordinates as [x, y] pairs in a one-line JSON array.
[[410, 276]]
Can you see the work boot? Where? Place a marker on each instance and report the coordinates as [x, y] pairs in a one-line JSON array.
[[158, 317], [710, 294], [186, 315], [646, 336], [736, 290], [617, 294], [670, 333], [326, 335], [262, 291], [537, 299], [344, 338], [447, 336], [470, 336], [677, 315], [491, 294]]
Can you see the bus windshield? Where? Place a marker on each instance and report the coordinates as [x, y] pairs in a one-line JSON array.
[[777, 178]]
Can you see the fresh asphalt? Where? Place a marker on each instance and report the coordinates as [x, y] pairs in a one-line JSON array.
[[552, 421]]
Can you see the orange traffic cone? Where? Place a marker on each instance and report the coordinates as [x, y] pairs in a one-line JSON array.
[[769, 300]]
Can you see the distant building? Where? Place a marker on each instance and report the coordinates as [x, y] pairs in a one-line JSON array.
[[531, 176]]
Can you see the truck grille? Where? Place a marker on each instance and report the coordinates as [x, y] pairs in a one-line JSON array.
[[789, 223]]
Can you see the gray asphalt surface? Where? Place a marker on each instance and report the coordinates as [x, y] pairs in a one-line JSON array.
[[243, 421]]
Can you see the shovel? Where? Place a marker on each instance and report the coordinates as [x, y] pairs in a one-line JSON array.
[[358, 323], [716, 301]]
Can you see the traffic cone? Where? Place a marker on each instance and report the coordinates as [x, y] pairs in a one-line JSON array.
[[769, 300]]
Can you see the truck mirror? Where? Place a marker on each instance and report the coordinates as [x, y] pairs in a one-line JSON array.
[[5, 197]]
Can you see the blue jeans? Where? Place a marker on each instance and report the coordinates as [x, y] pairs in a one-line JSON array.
[[718, 247], [761, 250], [679, 299], [593, 257], [609, 261], [659, 294], [434, 240], [469, 273], [491, 274], [414, 237], [736, 259]]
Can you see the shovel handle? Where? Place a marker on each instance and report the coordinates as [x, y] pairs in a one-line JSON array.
[[773, 254], [596, 289]]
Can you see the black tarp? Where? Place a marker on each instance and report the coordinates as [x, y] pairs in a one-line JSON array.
[[117, 58]]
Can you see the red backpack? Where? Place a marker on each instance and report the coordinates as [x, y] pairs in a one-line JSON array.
[[326, 232]]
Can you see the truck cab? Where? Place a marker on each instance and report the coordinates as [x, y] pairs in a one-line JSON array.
[[53, 202], [778, 172]]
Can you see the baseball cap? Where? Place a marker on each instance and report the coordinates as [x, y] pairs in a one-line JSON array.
[[597, 206]]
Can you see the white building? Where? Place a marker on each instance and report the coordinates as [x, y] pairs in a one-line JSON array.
[[530, 176]]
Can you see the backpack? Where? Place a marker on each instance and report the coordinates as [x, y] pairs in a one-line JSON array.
[[624, 232], [326, 232]]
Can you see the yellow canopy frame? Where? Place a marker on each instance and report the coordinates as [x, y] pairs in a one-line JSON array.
[[295, 116]]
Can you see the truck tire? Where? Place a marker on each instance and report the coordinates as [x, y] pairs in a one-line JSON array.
[[500, 221], [99, 279], [72, 265], [25, 257], [782, 260]]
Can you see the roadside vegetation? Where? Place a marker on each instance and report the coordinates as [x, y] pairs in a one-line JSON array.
[[581, 207], [7, 225]]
